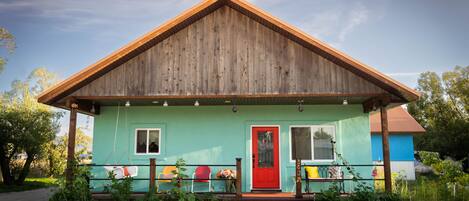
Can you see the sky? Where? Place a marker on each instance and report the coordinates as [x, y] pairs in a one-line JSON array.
[[399, 38]]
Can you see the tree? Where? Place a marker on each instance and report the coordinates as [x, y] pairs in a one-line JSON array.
[[25, 125], [7, 41], [443, 110], [56, 152]]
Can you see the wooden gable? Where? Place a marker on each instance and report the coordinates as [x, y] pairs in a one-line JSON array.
[[227, 49], [227, 53]]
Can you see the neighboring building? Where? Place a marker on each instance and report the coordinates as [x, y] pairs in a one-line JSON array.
[[225, 80], [402, 128]]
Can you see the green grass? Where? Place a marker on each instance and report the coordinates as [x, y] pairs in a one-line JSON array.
[[429, 188], [29, 184]]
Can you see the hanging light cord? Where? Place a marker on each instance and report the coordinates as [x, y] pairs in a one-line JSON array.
[[115, 132]]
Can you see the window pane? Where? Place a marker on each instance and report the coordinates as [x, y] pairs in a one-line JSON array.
[[301, 143], [323, 149], [141, 141], [154, 146], [265, 149]]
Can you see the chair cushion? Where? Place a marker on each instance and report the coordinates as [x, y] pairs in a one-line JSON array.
[[335, 172], [312, 172], [202, 174]]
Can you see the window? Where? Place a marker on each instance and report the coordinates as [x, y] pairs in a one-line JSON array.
[[312, 143], [147, 141]]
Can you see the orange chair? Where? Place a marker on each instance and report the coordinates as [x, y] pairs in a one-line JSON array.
[[167, 175]]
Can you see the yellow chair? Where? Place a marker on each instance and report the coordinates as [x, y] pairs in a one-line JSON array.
[[378, 173], [166, 175], [312, 172]]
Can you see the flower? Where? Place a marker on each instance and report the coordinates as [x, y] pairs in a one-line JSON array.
[[226, 174]]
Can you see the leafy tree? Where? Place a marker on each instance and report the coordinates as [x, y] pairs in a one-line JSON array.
[[56, 152], [7, 41], [25, 125], [443, 110]]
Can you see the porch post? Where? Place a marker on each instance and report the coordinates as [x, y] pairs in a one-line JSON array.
[[152, 174], [239, 175], [385, 139], [298, 178], [71, 143]]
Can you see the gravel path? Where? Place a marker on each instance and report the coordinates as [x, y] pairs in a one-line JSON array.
[[42, 194]]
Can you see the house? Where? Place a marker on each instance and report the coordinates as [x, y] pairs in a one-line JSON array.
[[226, 80], [402, 128]]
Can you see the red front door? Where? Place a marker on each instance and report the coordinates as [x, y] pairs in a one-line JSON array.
[[265, 161]]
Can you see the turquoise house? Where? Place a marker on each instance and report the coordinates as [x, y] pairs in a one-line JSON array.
[[226, 80], [402, 128]]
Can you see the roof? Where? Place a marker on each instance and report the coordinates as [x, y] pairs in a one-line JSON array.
[[399, 121], [66, 87]]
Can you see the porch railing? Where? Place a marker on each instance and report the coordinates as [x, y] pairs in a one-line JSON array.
[[152, 174], [324, 175]]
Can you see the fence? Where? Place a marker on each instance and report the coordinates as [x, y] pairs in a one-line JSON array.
[[324, 175], [152, 173]]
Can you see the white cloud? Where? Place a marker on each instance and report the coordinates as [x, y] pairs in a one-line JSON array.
[[72, 15], [357, 16]]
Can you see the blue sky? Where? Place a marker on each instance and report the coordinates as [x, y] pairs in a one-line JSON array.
[[399, 38]]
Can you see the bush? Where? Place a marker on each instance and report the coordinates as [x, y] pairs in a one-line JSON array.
[[120, 190], [78, 189]]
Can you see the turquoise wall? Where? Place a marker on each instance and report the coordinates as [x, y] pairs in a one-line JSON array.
[[216, 135], [401, 147]]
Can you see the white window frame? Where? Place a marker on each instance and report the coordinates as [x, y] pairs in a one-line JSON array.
[[148, 139], [312, 141]]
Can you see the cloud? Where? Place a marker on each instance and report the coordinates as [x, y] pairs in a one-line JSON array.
[[402, 74], [329, 20], [72, 15], [357, 16]]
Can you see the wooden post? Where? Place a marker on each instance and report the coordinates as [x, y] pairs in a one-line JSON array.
[[239, 175], [71, 143], [152, 174], [385, 139], [298, 178]]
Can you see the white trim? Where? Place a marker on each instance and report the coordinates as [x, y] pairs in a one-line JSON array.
[[312, 142], [279, 154], [148, 139]]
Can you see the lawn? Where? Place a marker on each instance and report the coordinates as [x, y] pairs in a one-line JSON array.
[[29, 184]]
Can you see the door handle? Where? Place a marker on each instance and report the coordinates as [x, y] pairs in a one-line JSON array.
[[253, 160]]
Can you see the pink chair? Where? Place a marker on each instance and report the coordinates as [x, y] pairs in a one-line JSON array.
[[202, 174]]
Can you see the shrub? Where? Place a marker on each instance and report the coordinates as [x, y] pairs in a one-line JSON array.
[[78, 189], [120, 190]]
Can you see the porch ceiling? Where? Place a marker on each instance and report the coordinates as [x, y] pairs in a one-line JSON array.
[[87, 103]]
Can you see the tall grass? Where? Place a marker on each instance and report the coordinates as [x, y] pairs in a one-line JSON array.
[[431, 189]]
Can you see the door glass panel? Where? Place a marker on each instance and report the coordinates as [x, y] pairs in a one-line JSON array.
[[265, 149]]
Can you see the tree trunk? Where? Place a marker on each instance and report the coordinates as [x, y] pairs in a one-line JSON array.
[[5, 167], [25, 170]]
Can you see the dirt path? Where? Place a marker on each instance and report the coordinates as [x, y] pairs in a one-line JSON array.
[[42, 194]]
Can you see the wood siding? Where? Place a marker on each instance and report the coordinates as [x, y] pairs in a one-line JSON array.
[[227, 53]]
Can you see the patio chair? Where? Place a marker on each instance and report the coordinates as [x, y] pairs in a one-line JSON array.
[[166, 175], [202, 174], [122, 171]]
